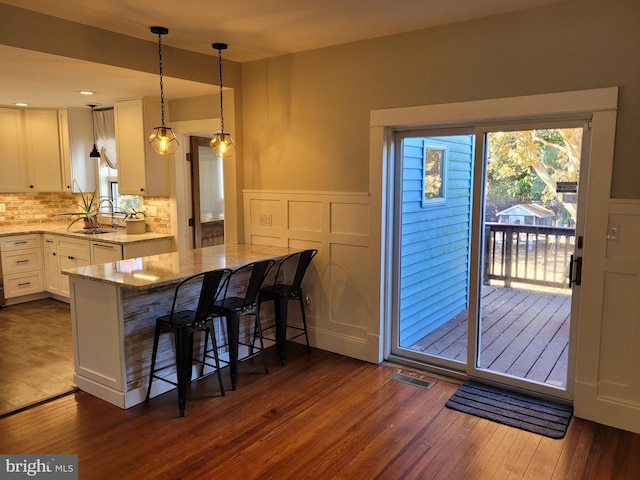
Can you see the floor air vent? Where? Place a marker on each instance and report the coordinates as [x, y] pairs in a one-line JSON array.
[[418, 382]]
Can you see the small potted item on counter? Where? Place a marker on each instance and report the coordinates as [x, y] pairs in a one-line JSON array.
[[135, 222]]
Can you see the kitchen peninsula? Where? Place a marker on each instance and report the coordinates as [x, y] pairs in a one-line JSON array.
[[114, 307]]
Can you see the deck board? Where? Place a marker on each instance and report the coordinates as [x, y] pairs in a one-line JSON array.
[[525, 333]]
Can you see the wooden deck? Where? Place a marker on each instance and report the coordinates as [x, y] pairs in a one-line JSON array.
[[525, 333]]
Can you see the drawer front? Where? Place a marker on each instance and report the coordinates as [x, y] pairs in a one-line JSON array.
[[21, 261], [49, 241], [73, 247], [19, 242], [19, 284], [105, 252]]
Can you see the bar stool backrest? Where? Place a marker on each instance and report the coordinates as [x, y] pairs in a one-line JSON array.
[[240, 293], [203, 288], [291, 272]]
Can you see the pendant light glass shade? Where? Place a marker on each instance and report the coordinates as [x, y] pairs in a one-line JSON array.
[[163, 141], [221, 144]]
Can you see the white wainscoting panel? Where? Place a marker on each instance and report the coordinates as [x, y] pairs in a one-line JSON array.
[[337, 224], [613, 396]]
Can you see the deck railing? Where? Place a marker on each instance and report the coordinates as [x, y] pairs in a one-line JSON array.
[[530, 254]]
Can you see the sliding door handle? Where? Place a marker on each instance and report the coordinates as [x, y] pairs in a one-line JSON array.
[[575, 277]]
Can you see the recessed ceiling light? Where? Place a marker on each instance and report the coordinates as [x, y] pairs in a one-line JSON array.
[[87, 92], [22, 104]]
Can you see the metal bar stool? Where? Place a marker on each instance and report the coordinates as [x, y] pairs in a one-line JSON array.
[[287, 285], [182, 322], [238, 298]]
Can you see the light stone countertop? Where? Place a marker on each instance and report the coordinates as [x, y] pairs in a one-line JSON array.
[[158, 270], [118, 235]]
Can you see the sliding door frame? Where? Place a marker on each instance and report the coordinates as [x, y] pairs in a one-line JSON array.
[[601, 103]]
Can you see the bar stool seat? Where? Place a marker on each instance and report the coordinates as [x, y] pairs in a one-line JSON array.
[[183, 322]]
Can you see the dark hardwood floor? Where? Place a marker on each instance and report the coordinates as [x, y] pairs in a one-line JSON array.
[[321, 416], [36, 353], [525, 333]]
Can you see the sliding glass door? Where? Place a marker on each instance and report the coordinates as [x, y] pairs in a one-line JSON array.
[[488, 250], [433, 239]]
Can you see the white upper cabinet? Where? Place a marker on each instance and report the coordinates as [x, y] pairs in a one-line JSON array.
[[12, 162], [79, 171], [29, 151], [42, 142], [140, 170]]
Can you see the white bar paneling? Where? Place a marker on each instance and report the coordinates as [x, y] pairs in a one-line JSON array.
[[305, 216], [339, 316]]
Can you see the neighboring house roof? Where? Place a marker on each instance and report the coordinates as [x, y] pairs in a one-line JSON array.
[[528, 209]]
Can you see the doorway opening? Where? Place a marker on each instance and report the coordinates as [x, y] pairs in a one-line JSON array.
[[486, 257], [207, 194]]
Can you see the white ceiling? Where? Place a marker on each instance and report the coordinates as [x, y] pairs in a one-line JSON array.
[[254, 29]]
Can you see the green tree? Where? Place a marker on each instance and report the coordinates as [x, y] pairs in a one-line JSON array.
[[529, 163]]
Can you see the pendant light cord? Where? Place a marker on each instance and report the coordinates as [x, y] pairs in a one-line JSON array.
[[220, 74], [93, 123], [161, 86]]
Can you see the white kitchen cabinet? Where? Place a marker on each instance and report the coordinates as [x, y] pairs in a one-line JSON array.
[[72, 253], [42, 147], [140, 170], [51, 265], [22, 267], [79, 171], [12, 162], [29, 151], [103, 252]]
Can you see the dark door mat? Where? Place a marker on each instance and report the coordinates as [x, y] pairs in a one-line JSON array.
[[513, 409]]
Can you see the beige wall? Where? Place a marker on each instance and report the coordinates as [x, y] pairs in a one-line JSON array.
[[307, 114]]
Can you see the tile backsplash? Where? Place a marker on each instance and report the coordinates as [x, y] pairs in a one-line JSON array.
[[34, 208]]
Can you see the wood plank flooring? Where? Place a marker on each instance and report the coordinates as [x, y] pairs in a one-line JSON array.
[[36, 353], [525, 333], [321, 416]]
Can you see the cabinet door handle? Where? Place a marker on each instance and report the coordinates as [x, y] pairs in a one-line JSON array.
[[23, 261], [21, 242], [25, 284], [71, 258]]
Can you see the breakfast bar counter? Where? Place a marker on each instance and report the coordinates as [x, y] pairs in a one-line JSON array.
[[114, 307]]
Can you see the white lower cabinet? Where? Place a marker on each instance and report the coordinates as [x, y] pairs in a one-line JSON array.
[[51, 265], [32, 263], [62, 252], [22, 266], [72, 253]]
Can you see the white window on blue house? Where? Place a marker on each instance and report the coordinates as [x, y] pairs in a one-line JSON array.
[[434, 173]]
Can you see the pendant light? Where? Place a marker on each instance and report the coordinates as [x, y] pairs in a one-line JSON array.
[[221, 143], [162, 140], [94, 153]]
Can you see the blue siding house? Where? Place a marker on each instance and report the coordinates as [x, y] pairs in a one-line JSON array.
[[435, 232]]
